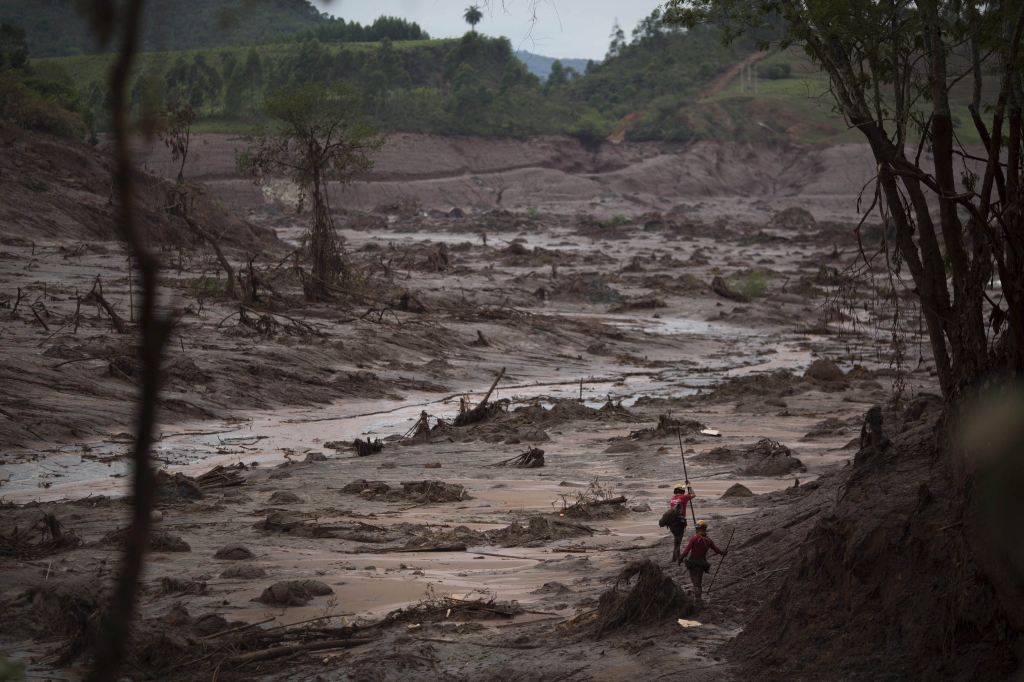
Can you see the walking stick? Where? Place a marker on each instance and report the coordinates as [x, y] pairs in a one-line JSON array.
[[687, 477], [722, 561]]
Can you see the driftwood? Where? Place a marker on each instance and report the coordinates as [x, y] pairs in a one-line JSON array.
[[96, 296], [219, 477], [479, 412], [198, 230], [531, 459], [278, 652], [621, 499]]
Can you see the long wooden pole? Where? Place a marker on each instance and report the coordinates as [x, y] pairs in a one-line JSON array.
[[722, 561], [686, 476], [491, 389]]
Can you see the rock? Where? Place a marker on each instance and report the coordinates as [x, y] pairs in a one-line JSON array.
[[287, 593], [316, 588], [165, 542], [233, 553], [719, 286], [737, 490], [276, 475], [824, 370], [176, 488], [553, 587], [211, 624], [793, 218], [643, 507], [294, 592], [316, 457], [156, 516], [277, 521], [285, 497], [622, 446], [432, 465], [244, 572]]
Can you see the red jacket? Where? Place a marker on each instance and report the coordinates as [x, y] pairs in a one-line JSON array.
[[681, 500], [698, 546]]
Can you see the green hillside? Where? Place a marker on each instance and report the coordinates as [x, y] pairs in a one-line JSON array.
[[661, 84], [474, 85], [55, 29]]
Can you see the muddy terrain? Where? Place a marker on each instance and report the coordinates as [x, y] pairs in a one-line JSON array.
[[332, 507]]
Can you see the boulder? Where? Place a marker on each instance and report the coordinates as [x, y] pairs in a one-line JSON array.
[[824, 370], [233, 553], [737, 490], [285, 497]]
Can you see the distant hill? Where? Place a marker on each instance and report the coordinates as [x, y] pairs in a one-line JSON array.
[[55, 29], [540, 65]]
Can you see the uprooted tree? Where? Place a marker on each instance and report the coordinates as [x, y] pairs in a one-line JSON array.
[[891, 65], [315, 134]]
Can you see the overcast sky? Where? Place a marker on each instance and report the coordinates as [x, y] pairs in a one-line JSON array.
[[564, 28]]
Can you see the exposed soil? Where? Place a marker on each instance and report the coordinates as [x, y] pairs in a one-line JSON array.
[[431, 554]]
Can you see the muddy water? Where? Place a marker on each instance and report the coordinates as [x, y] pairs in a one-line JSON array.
[[268, 437]]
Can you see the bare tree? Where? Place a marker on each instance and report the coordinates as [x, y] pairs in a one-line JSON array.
[[316, 133]]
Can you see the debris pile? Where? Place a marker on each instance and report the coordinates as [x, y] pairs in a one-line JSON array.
[[367, 447], [482, 411], [42, 538], [416, 492], [449, 608], [454, 540], [596, 502], [537, 532], [69, 608], [531, 459], [669, 426], [764, 458], [642, 594], [176, 488]]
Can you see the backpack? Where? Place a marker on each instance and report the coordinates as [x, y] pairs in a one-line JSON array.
[[669, 516]]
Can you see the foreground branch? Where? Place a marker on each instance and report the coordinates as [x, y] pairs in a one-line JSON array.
[[112, 644]]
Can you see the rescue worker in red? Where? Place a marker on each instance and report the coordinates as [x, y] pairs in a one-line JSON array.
[[675, 517], [695, 557]]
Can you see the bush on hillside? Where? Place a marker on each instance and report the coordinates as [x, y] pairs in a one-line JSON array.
[[591, 129], [24, 106]]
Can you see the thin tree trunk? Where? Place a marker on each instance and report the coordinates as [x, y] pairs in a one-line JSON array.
[[112, 644]]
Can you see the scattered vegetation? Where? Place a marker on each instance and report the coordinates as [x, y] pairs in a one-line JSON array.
[[752, 285]]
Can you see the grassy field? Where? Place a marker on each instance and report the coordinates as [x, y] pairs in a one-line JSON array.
[[801, 108]]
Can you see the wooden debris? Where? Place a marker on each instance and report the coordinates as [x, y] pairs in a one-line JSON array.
[[220, 477], [367, 447], [531, 459], [480, 412]]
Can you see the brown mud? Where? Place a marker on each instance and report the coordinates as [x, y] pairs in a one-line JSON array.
[[305, 556]]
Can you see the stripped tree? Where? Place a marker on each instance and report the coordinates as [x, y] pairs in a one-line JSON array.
[[315, 133]]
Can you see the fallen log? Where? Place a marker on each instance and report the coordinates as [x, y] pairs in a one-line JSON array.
[[621, 499], [96, 297], [278, 652]]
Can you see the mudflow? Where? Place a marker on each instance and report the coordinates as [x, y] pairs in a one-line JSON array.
[[637, 304]]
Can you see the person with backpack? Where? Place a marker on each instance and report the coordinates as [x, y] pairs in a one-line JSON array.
[[675, 517], [695, 557]]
